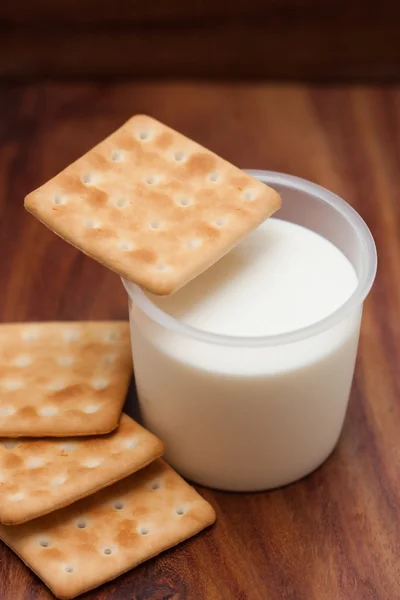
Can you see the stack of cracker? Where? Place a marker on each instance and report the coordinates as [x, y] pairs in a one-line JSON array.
[[84, 494], [78, 502]]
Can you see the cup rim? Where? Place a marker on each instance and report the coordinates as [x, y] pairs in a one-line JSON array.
[[365, 281]]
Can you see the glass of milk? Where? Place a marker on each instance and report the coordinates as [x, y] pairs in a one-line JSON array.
[[245, 373]]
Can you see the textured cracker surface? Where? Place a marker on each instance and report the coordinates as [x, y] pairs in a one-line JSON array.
[[152, 205], [120, 527], [63, 378], [38, 476]]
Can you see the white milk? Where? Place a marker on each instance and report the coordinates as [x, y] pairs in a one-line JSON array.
[[242, 417]]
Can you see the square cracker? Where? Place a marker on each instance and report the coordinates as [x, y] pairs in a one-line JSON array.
[[65, 378], [95, 540], [152, 205], [40, 476]]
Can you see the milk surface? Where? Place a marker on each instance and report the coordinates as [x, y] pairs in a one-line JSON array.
[[280, 278], [243, 417]]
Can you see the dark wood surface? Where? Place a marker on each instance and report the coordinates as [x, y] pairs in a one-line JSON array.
[[281, 39], [336, 534]]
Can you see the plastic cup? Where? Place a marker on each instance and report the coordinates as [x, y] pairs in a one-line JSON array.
[[253, 430]]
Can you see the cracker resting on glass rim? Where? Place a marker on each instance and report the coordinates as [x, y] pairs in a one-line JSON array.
[[152, 205]]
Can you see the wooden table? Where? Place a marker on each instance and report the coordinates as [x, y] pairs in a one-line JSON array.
[[335, 534]]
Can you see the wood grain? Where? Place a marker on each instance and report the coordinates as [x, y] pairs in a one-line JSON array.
[[91, 12], [280, 39], [336, 534]]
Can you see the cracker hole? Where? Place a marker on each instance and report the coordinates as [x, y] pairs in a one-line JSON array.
[[152, 179], [55, 386], [44, 542], [144, 530], [124, 245], [10, 444], [6, 411], [23, 361], [184, 201], [17, 497], [47, 411], [70, 335], [59, 480], [35, 462], [180, 156], [107, 551], [155, 485], [92, 224], [65, 361], [180, 511], [11, 385], [191, 244], [92, 463], [155, 225], [30, 335], [144, 135], [118, 505], [248, 195], [220, 222], [100, 384], [81, 524], [161, 267], [108, 359], [117, 156], [88, 178], [59, 200], [69, 568], [69, 446], [91, 409], [130, 443], [213, 177], [120, 202], [111, 336]]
